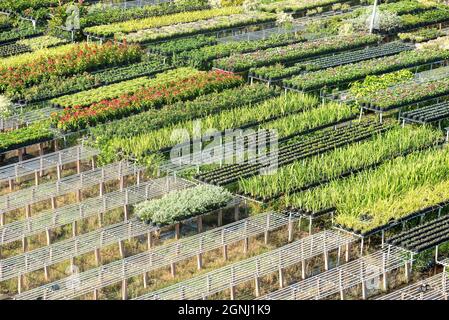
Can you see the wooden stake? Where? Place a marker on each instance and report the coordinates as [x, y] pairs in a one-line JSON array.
[[220, 218], [125, 289], [177, 233]]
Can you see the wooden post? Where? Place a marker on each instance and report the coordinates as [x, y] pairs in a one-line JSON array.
[[145, 280], [326, 260], [79, 195], [281, 278], [199, 259], [53, 203], [363, 289], [407, 272], [97, 256], [237, 213], [173, 269], [95, 297], [340, 284], [58, 172], [46, 273], [41, 149], [125, 212], [225, 246], [48, 236], [20, 284], [102, 188], [28, 211], [199, 221], [267, 227], [125, 289], [290, 229], [310, 225], [20, 154], [126, 206], [75, 228], [348, 248], [121, 246], [11, 185], [232, 286], [78, 166], [245, 245], [36, 178], [24, 244], [200, 255], [220, 218], [232, 292], [303, 269], [2, 219], [257, 286], [149, 240], [177, 233]]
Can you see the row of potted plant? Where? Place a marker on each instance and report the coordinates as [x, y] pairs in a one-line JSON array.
[[180, 205], [35, 133], [5, 23], [421, 35], [182, 111], [13, 49], [145, 145], [342, 75], [28, 45], [172, 47], [125, 27], [22, 5], [197, 27], [18, 33], [202, 58], [300, 175], [294, 52], [407, 7], [293, 149], [42, 42], [425, 18], [279, 71], [202, 106], [80, 58], [88, 97], [297, 6], [372, 84], [56, 87], [405, 94], [78, 117], [431, 113], [363, 201], [100, 16]]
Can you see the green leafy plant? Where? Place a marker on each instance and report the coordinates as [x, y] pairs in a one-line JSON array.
[[180, 205]]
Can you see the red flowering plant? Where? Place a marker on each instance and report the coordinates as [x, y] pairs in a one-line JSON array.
[[80, 58], [78, 117]]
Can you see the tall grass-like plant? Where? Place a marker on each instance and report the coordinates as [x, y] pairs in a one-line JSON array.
[[352, 197], [331, 165]]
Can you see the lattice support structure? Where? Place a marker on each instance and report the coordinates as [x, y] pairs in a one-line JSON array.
[[360, 272], [75, 183], [88, 208], [37, 166], [160, 257], [433, 288], [253, 268]]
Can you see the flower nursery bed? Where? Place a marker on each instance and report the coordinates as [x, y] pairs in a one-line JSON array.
[[153, 94], [278, 72], [345, 74], [294, 52]]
